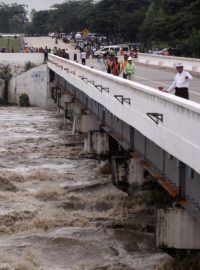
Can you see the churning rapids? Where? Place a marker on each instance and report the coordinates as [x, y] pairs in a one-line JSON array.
[[57, 210]]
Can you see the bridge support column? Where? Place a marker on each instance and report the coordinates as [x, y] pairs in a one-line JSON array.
[[85, 122], [51, 95], [97, 142], [127, 173], [71, 108], [65, 98], [177, 229]]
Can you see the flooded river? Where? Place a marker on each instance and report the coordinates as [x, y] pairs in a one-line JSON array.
[[57, 211]]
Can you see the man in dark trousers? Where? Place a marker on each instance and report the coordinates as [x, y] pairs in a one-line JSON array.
[[83, 57], [181, 82]]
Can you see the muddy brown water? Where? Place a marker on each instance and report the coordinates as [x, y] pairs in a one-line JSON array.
[[57, 211]]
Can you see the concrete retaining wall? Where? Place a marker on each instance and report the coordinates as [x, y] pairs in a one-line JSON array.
[[33, 83], [21, 58]]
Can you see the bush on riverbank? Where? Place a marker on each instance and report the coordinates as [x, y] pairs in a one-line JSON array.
[[29, 65], [24, 100], [2, 103]]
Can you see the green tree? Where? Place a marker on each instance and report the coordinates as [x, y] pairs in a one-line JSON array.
[[171, 23], [13, 18], [152, 22], [5, 76], [39, 23], [192, 44], [119, 17]]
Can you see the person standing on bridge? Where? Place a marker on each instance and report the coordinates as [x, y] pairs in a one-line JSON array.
[[123, 68], [116, 67], [83, 57], [46, 51], [181, 82], [103, 62], [130, 69]]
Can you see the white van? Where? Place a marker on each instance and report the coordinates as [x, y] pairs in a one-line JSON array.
[[106, 49]]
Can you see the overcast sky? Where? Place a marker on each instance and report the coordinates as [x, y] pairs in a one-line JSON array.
[[36, 4]]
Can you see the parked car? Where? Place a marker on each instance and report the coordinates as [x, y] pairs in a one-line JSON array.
[[107, 49]]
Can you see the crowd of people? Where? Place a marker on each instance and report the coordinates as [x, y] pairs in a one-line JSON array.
[[111, 65], [56, 51], [26, 49]]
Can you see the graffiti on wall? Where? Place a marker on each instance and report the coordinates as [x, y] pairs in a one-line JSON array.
[[38, 76]]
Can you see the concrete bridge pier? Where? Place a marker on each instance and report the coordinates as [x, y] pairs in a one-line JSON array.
[[83, 122], [97, 142], [56, 95], [177, 229], [65, 99], [127, 173]]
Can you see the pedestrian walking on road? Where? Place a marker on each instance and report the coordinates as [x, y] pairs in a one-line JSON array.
[[181, 82], [83, 57], [130, 69], [46, 51]]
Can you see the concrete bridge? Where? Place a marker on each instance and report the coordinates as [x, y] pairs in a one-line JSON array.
[[141, 128], [159, 133]]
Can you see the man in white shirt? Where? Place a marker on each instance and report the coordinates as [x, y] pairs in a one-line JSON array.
[[181, 82], [83, 57]]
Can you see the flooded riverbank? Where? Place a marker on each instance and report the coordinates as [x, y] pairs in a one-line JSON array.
[[57, 211]]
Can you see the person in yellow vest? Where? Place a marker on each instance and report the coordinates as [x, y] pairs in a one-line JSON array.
[[130, 69]]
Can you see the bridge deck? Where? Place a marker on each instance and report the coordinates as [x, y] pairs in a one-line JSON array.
[[164, 129]]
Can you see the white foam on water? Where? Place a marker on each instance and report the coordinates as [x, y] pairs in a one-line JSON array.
[[57, 210]]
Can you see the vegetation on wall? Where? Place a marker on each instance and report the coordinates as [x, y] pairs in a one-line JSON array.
[[24, 100], [2, 103], [29, 65], [5, 76]]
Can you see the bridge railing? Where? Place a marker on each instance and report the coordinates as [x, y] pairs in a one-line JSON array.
[[190, 64], [171, 122]]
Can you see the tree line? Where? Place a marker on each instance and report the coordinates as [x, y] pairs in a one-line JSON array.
[[154, 23]]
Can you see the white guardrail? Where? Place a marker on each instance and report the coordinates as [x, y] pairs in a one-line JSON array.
[[190, 64], [178, 134]]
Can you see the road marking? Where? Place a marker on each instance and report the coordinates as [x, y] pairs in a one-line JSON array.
[[194, 93], [152, 81]]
